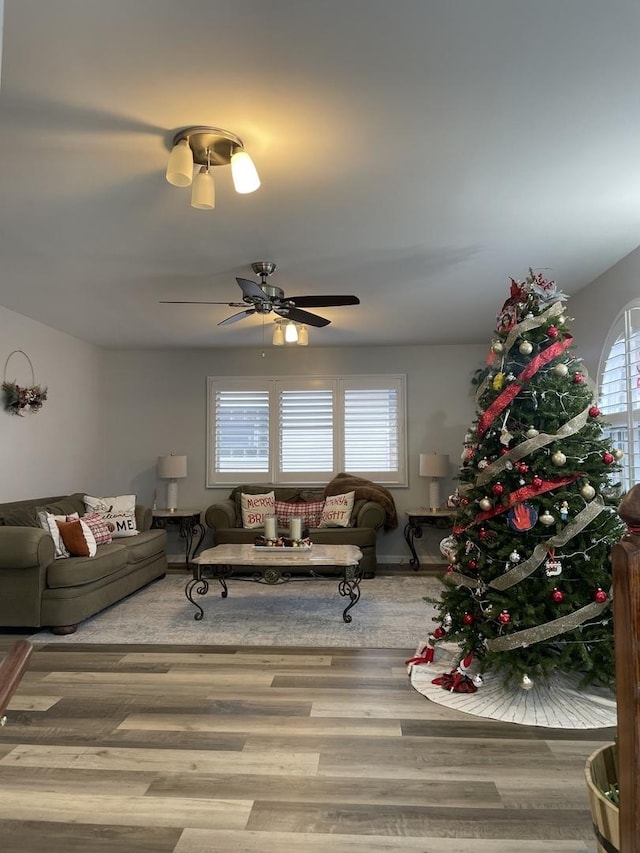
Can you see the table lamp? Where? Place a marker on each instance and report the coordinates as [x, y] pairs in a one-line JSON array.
[[436, 466], [172, 468]]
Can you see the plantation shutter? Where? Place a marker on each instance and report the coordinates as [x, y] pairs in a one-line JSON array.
[[241, 440], [372, 422], [306, 430]]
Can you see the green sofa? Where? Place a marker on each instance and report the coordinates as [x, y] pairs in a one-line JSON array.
[[38, 591], [367, 518]]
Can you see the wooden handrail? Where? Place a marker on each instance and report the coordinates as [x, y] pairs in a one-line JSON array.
[[626, 616], [11, 671]]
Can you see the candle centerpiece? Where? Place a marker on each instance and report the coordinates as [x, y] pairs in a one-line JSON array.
[[295, 528], [270, 527]]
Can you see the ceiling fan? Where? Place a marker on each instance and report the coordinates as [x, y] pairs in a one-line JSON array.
[[264, 298]]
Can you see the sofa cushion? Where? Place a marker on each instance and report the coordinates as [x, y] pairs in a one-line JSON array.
[[309, 511], [148, 543], [21, 516], [77, 571], [337, 510], [255, 508]]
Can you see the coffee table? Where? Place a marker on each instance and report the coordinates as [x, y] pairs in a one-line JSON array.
[[274, 566]]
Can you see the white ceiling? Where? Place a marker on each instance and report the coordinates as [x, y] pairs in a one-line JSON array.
[[415, 154]]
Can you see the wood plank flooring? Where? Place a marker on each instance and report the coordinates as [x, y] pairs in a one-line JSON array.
[[191, 750]]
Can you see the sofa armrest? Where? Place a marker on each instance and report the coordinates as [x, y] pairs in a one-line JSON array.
[[25, 548], [221, 515], [369, 514], [144, 517]]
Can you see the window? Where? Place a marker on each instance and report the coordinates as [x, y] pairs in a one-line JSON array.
[[306, 430], [619, 385]]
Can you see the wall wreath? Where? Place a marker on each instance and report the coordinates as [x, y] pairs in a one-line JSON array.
[[17, 398]]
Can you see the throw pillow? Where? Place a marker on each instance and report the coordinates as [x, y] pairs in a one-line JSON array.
[[77, 538], [337, 510], [119, 510], [255, 508], [309, 511], [101, 528], [48, 523]]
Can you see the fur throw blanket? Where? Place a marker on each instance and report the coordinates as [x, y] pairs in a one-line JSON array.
[[365, 490]]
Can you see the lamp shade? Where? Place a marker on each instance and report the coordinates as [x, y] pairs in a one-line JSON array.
[[172, 467], [180, 165], [244, 173], [434, 465], [203, 191]]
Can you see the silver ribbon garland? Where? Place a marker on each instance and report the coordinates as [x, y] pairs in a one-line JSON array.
[[508, 642], [528, 567]]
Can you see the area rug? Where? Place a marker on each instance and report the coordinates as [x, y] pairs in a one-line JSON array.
[[390, 614], [559, 703]]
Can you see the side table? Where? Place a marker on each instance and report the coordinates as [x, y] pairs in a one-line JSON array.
[[190, 527], [440, 518]]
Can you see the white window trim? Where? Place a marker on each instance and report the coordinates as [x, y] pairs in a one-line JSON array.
[[275, 383]]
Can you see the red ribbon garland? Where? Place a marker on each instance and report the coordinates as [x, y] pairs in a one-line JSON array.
[[517, 497], [511, 391]]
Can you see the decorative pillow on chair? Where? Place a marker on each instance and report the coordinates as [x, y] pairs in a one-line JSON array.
[[77, 537], [255, 508], [309, 511], [337, 510], [120, 511]]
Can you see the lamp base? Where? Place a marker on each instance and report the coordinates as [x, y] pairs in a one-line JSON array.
[[434, 495], [172, 495]]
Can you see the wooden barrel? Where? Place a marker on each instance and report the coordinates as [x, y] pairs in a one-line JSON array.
[[601, 771]]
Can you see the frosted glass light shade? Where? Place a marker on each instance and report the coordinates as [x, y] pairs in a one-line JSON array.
[[180, 165], [291, 333], [244, 173], [303, 336], [278, 336], [203, 192]]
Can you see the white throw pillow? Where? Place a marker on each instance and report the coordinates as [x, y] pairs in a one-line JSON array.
[[119, 510], [337, 510], [255, 508], [48, 523]]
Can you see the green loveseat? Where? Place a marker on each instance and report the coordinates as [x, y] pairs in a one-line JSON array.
[[37, 590], [367, 518]]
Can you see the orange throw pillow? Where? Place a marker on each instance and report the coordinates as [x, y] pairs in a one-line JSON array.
[[73, 537]]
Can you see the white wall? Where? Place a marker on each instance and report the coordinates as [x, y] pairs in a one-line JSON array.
[[155, 403], [58, 449], [596, 307]]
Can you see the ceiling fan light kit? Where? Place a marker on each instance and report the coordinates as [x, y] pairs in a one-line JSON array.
[[208, 147], [288, 332]]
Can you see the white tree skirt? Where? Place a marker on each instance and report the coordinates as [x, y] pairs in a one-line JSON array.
[[559, 703]]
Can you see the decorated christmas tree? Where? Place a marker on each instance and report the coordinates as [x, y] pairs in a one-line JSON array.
[[528, 585]]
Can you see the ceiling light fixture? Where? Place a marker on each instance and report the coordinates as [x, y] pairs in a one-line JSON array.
[[288, 332], [208, 147]]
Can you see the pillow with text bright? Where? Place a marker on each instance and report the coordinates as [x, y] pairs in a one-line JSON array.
[[118, 510], [337, 510], [255, 508]]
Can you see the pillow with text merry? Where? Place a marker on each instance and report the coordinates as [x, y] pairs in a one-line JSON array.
[[255, 508]]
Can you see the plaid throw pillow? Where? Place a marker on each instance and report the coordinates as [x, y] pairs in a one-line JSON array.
[[309, 511], [101, 528]]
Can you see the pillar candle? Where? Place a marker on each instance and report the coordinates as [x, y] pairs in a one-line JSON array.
[[295, 527], [270, 529]]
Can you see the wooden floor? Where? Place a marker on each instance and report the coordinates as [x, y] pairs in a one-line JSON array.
[[192, 750]]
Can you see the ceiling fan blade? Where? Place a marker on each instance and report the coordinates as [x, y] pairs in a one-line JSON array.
[[250, 289], [323, 301], [302, 316], [196, 302], [239, 316]]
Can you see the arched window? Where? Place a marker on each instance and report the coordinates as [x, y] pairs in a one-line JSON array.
[[619, 384]]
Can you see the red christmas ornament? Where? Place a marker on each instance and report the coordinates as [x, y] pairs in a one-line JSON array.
[[504, 617], [482, 533], [557, 595], [578, 378], [594, 412], [468, 618], [498, 488], [451, 568], [608, 458], [522, 467], [473, 564], [536, 482], [552, 332], [504, 450], [464, 501], [600, 596], [439, 633]]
